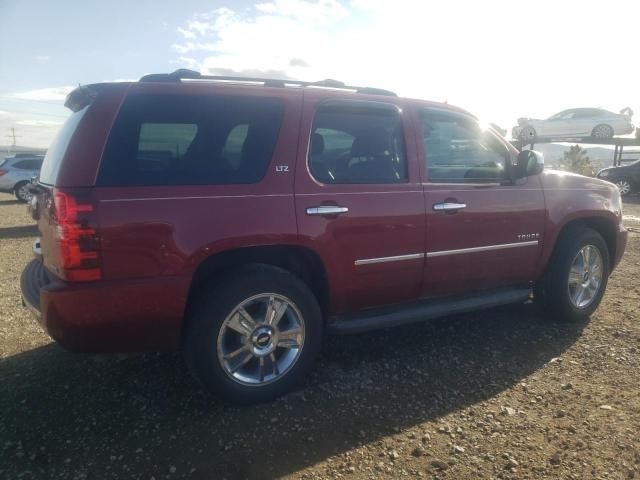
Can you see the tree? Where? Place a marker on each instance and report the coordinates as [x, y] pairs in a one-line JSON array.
[[576, 160]]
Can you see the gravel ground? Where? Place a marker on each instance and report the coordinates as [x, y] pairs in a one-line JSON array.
[[497, 394]]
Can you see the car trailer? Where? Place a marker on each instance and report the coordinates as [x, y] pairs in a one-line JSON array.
[[620, 155]]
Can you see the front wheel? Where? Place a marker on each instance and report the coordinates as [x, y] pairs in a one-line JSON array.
[[576, 277], [253, 337]]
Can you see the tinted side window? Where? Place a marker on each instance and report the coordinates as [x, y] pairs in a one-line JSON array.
[[191, 140], [28, 164], [57, 150], [457, 150], [352, 142], [587, 113]]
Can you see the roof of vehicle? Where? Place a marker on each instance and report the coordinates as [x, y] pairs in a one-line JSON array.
[[81, 96], [584, 109], [24, 157], [185, 74]]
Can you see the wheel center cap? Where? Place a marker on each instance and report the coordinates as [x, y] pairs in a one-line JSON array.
[[262, 340]]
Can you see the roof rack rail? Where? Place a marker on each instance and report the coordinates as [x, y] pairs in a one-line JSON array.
[[186, 74]]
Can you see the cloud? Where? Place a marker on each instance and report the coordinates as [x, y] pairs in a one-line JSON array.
[[4, 113], [188, 34], [298, 62], [321, 10], [187, 62], [39, 123], [49, 94], [42, 59], [274, 38]]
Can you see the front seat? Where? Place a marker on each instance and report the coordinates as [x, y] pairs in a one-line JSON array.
[[372, 159]]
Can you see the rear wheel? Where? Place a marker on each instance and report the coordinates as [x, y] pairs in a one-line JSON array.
[[602, 131], [254, 336], [576, 277], [22, 191], [624, 186]]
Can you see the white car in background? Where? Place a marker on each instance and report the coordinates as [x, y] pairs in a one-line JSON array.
[[577, 122]]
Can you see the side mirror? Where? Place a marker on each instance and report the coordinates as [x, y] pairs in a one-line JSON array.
[[529, 162]]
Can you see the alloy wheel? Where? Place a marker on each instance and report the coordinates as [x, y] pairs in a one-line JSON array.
[[527, 134], [603, 131], [585, 276], [24, 193], [624, 187], [261, 339]]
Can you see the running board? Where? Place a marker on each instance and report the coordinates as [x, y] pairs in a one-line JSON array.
[[420, 311]]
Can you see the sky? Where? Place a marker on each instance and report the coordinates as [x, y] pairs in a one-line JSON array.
[[499, 59]]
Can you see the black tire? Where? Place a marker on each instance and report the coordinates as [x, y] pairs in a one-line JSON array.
[[18, 191], [602, 131], [217, 301], [552, 292], [528, 135]]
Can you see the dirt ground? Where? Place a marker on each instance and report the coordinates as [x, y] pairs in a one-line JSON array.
[[497, 394]]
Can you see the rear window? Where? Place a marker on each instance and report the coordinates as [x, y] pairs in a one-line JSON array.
[[55, 154], [191, 140]]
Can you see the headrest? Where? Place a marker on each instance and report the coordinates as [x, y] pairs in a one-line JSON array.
[[317, 144], [371, 143]]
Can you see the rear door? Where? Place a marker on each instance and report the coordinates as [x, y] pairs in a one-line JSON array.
[[483, 231], [359, 201]]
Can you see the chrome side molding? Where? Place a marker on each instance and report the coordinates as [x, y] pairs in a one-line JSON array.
[[486, 248], [397, 258]]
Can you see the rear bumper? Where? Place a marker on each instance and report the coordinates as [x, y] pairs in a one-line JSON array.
[[625, 130], [107, 316]]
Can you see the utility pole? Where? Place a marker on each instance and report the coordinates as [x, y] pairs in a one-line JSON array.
[[13, 137]]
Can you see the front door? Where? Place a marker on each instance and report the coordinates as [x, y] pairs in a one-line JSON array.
[[483, 231], [359, 200]]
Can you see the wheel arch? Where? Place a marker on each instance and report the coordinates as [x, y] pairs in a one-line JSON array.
[[300, 261], [18, 184], [605, 226]]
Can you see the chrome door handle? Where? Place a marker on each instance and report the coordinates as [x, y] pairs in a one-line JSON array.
[[326, 210], [448, 206]]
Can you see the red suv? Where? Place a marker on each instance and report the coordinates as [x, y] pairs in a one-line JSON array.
[[241, 219]]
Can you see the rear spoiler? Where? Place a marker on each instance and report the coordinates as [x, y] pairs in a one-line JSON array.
[[80, 98]]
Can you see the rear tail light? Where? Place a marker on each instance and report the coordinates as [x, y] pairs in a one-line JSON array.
[[76, 237], [3, 172]]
